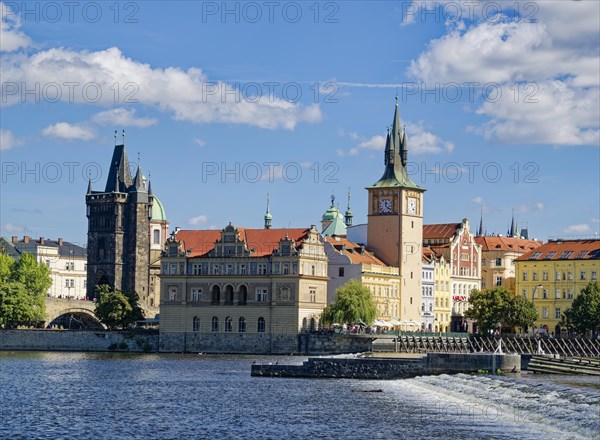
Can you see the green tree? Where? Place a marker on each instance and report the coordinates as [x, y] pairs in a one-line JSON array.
[[117, 309], [18, 306], [6, 267], [585, 311], [354, 303], [519, 313], [487, 307], [35, 276]]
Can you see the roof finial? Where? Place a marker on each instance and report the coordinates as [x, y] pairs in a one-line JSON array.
[[123, 136], [115, 137], [332, 200], [396, 98]]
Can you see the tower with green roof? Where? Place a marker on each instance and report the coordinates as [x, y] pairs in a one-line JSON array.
[[395, 219]]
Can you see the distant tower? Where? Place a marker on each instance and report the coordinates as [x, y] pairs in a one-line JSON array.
[[480, 230], [118, 230], [348, 216], [512, 230], [268, 216]]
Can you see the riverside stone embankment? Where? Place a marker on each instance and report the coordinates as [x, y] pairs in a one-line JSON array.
[[397, 368]]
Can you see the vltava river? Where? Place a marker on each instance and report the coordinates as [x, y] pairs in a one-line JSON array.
[[117, 396]]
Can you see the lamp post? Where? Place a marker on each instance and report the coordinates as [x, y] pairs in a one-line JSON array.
[[533, 297]]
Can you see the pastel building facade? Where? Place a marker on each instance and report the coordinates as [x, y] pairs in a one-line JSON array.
[[427, 301], [241, 290], [553, 274]]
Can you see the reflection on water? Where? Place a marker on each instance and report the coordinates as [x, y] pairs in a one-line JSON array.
[[86, 395]]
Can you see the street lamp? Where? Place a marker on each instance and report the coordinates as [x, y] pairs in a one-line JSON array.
[[539, 286]]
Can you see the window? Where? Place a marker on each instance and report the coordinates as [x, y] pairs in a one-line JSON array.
[[569, 293], [565, 255], [313, 295], [195, 322], [582, 275], [534, 276], [524, 277], [544, 312], [341, 272], [230, 269], [228, 326], [286, 268], [243, 295], [549, 255], [241, 325], [229, 294], [165, 269], [242, 269], [498, 281], [557, 313], [312, 270], [498, 262], [545, 295], [215, 269], [173, 294], [557, 275], [196, 294], [593, 275], [544, 276], [216, 295], [535, 255], [524, 293], [557, 293], [581, 254], [261, 325], [569, 275], [262, 269], [156, 236], [173, 269], [215, 324], [261, 295]]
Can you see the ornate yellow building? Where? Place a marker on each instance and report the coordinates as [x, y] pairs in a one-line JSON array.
[[241, 290], [441, 293], [552, 275], [395, 221]]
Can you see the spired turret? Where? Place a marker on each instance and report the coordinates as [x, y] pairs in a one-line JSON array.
[[268, 216]]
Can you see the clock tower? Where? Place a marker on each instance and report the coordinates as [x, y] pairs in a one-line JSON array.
[[395, 221]]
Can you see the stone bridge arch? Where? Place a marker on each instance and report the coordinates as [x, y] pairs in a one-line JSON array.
[[72, 311]]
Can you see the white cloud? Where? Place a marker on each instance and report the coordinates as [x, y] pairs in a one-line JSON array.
[[11, 38], [595, 220], [188, 95], [10, 228], [8, 140], [122, 117], [200, 142], [529, 207], [555, 63], [71, 132], [376, 142], [577, 229], [421, 141], [198, 220], [478, 200]]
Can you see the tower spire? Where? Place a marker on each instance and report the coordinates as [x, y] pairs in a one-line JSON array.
[[512, 231], [89, 190], [348, 216], [268, 216], [480, 230]]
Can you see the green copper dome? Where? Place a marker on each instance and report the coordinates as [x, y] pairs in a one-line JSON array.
[[158, 211]]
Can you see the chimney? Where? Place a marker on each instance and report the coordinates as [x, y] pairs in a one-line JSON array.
[[15, 239], [42, 241], [60, 241], [26, 239], [343, 249]]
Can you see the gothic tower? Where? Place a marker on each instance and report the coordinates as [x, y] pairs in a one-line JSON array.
[[395, 220], [118, 230]]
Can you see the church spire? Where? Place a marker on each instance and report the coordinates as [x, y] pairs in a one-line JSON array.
[[480, 230], [268, 216], [89, 190], [511, 232], [348, 216]]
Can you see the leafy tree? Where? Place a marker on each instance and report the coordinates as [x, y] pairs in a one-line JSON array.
[[117, 309], [585, 311], [566, 320], [18, 306], [6, 266], [487, 307], [35, 276], [23, 288], [519, 312], [354, 303]]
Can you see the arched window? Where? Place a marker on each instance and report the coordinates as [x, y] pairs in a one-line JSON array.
[[228, 326], [196, 324], [229, 294], [304, 325], [313, 325], [243, 295], [215, 324], [241, 325], [216, 294], [261, 325]]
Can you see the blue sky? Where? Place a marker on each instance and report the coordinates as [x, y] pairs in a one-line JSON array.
[[501, 109]]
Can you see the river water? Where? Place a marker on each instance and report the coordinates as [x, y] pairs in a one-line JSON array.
[[119, 396]]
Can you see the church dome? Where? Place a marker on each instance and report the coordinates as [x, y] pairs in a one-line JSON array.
[[158, 211]]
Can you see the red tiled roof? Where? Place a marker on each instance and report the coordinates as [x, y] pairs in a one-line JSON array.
[[263, 241], [507, 244], [444, 230], [559, 250], [353, 251]]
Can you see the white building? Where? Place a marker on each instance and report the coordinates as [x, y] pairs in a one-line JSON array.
[[67, 263], [427, 311]]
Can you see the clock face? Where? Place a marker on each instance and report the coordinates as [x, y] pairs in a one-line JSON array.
[[385, 206], [412, 206]]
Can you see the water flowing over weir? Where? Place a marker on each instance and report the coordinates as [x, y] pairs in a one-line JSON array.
[[101, 395]]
